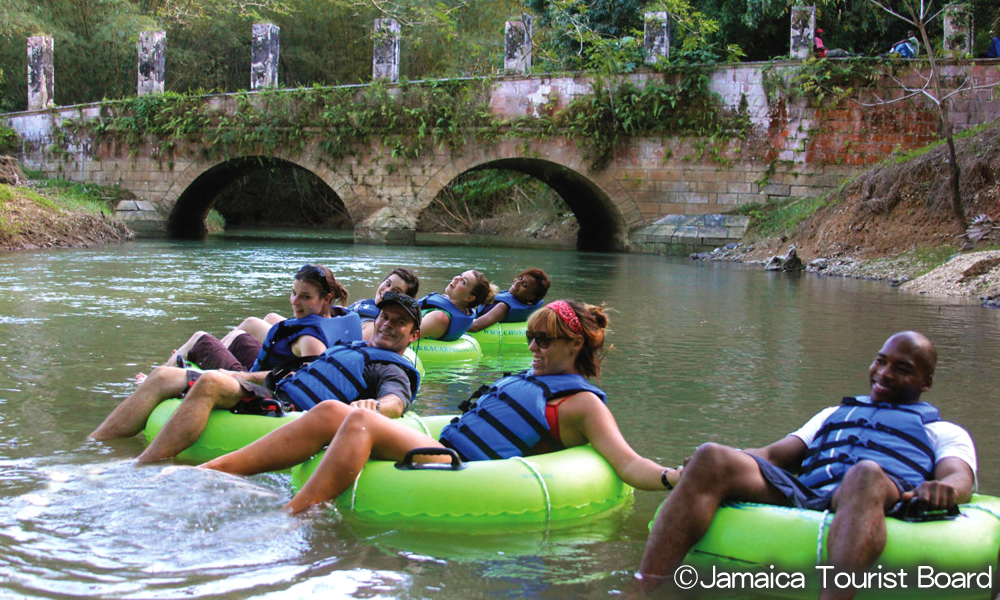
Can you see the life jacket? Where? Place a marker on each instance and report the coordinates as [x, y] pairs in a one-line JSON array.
[[509, 419], [459, 323], [338, 374], [277, 346], [893, 435], [519, 311], [365, 308]]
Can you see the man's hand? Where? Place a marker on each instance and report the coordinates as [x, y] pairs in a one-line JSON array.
[[366, 404], [933, 495]]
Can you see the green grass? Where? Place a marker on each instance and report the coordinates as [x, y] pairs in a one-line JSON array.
[[55, 194], [215, 222], [780, 217], [7, 229]]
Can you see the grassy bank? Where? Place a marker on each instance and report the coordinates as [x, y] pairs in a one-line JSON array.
[[56, 213]]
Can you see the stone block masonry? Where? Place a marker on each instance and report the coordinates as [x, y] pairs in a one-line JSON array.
[[792, 149]]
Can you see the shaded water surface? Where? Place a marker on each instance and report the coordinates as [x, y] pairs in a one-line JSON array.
[[701, 352]]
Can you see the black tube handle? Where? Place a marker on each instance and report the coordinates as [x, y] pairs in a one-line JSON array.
[[407, 463]]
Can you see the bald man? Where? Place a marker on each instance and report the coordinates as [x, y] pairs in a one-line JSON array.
[[844, 463]]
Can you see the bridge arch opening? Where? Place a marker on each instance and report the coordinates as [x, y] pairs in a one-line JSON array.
[[258, 191], [600, 225]]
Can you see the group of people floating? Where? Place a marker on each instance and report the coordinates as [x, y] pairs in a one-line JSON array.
[[863, 459]]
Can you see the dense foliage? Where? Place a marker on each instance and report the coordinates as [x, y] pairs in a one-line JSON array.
[[328, 42]]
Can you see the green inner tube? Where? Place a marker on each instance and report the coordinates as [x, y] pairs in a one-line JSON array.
[[761, 538], [554, 490], [503, 338], [437, 353]]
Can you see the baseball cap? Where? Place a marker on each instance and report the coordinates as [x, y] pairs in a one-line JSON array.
[[409, 304]]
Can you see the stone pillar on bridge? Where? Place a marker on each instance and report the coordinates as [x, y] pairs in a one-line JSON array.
[[264, 56], [385, 56], [957, 30], [657, 36], [152, 55], [41, 74], [803, 32], [517, 45]]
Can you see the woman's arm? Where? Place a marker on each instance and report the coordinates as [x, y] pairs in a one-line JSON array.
[[584, 418], [434, 324], [496, 315], [308, 345]]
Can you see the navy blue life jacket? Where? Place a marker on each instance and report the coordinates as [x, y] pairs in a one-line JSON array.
[[459, 323], [277, 347], [338, 374], [893, 435], [365, 308], [509, 419], [519, 311]]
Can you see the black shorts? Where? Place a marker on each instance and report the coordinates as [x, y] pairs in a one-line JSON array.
[[800, 495]]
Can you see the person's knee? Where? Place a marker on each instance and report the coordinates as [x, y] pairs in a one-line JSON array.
[[866, 478], [357, 422], [712, 464], [210, 388]]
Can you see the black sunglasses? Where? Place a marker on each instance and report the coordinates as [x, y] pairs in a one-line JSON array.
[[314, 273], [541, 339]]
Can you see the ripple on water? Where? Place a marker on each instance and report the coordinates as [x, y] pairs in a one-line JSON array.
[[113, 529]]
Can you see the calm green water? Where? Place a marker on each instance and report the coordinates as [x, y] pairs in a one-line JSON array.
[[701, 352]]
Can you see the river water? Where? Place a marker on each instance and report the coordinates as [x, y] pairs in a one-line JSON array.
[[701, 352]]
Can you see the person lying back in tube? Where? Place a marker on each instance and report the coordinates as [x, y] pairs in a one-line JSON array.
[[449, 315], [522, 298], [556, 407], [369, 376]]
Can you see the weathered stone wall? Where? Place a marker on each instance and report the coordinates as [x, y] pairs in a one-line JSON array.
[[795, 149]]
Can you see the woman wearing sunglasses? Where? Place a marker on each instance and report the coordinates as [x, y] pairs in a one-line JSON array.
[[315, 324], [547, 408]]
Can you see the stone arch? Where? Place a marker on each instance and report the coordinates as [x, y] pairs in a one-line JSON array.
[[602, 207], [197, 189]]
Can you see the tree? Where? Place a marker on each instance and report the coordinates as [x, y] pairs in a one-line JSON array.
[[919, 14]]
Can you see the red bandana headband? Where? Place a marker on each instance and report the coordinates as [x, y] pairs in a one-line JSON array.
[[565, 311]]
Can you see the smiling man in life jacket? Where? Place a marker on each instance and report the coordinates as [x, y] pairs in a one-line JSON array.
[[863, 459], [367, 376]]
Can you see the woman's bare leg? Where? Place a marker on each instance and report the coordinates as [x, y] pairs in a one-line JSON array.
[[184, 349], [363, 434], [232, 335], [287, 445], [258, 327]]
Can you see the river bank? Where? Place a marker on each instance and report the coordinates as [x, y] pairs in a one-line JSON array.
[[892, 223], [45, 214]]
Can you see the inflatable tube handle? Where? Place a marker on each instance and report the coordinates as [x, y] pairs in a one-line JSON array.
[[407, 463], [912, 514]]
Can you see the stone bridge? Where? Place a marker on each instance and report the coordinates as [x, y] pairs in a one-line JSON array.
[[653, 193]]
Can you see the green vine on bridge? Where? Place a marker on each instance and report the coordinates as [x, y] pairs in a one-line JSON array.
[[409, 118]]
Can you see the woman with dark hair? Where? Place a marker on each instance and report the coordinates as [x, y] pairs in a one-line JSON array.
[[400, 281], [547, 408], [449, 315], [314, 292], [522, 298]]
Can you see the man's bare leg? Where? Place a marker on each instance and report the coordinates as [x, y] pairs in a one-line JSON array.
[[129, 417], [858, 534], [715, 474], [213, 389]]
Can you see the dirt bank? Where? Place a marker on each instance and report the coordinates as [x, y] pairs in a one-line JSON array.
[[32, 218], [894, 223]]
